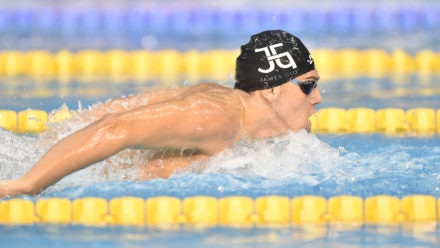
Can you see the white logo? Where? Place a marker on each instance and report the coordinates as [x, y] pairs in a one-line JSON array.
[[310, 60], [272, 55]]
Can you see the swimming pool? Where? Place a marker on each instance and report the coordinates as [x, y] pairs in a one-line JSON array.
[[325, 164]]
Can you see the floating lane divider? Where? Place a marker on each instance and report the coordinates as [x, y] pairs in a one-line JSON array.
[[196, 65], [392, 121], [232, 211]]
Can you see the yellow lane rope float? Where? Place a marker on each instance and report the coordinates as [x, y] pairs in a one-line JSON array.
[[195, 65], [392, 121], [233, 211]]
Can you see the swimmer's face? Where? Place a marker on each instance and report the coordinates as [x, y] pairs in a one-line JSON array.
[[294, 107]]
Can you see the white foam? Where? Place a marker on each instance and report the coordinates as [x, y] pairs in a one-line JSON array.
[[17, 152], [296, 155]]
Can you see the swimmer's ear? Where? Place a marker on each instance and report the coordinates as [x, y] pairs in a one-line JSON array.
[[271, 94]]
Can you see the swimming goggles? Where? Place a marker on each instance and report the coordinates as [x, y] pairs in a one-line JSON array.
[[306, 86]]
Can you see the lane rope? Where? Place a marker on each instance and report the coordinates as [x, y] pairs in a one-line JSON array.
[[390, 121], [125, 65], [231, 211]]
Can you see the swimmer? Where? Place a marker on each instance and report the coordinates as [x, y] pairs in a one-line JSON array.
[[275, 91]]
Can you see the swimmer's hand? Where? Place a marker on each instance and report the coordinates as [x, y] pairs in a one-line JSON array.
[[12, 188]]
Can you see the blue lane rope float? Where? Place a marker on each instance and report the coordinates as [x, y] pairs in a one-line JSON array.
[[390, 121], [232, 211]]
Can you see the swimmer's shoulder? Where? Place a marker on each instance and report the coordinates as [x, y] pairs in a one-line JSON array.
[[205, 87], [215, 89]]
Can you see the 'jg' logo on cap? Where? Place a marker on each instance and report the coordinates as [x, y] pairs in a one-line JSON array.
[[272, 55]]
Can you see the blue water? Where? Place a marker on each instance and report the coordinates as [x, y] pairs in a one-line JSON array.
[[367, 236]]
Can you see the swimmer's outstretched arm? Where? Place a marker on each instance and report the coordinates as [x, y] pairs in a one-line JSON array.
[[72, 153], [172, 124]]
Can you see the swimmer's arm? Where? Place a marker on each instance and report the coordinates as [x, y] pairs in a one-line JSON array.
[[180, 124], [79, 150]]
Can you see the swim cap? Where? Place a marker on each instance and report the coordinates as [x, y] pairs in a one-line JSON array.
[[271, 58]]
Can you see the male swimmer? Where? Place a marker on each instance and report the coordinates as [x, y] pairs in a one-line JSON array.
[[275, 91]]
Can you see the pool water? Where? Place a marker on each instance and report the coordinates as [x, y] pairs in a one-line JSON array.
[[367, 236], [297, 164]]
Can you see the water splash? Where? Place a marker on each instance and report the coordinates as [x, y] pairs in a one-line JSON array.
[[16, 153], [296, 155]]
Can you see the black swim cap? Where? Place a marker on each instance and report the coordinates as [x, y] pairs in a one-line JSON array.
[[271, 58]]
